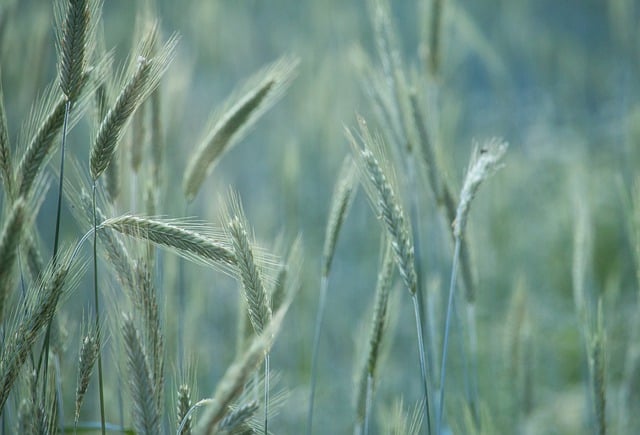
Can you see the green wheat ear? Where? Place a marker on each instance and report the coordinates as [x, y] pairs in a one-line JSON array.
[[147, 70], [76, 25], [10, 239], [230, 123], [378, 179], [258, 300], [6, 164]]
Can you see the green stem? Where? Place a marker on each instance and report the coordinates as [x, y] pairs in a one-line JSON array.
[[97, 309], [447, 326], [368, 401], [43, 360], [314, 353], [266, 393], [421, 354]]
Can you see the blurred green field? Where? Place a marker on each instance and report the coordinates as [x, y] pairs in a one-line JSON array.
[[557, 80]]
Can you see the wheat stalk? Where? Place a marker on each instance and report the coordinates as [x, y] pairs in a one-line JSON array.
[[238, 114], [36, 314], [379, 183], [597, 347], [146, 419], [341, 200], [235, 377], [75, 37], [254, 290], [183, 406], [142, 81], [6, 165], [236, 420], [434, 36], [381, 192], [88, 355], [10, 237], [255, 293], [379, 322], [184, 241], [484, 162]]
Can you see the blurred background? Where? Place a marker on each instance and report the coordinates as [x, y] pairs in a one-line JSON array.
[[558, 80]]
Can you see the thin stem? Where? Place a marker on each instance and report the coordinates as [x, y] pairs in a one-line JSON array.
[[97, 309], [367, 404], [266, 392], [417, 251], [472, 367], [181, 307], [316, 344], [56, 239], [447, 325], [421, 354]]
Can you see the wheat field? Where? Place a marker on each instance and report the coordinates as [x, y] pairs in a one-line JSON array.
[[417, 217]]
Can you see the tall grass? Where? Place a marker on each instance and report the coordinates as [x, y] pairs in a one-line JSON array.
[[198, 310]]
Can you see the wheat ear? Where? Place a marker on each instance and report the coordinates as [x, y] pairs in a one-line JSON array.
[[238, 114], [12, 230], [484, 162], [184, 241], [88, 356], [254, 290], [231, 384], [255, 293], [367, 376], [236, 420], [341, 200], [146, 419], [75, 42], [146, 75], [39, 308], [183, 406], [379, 182], [6, 165]]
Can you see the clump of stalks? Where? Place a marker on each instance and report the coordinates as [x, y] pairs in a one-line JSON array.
[[83, 75]]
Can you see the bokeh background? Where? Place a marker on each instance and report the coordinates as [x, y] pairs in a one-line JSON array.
[[558, 80]]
